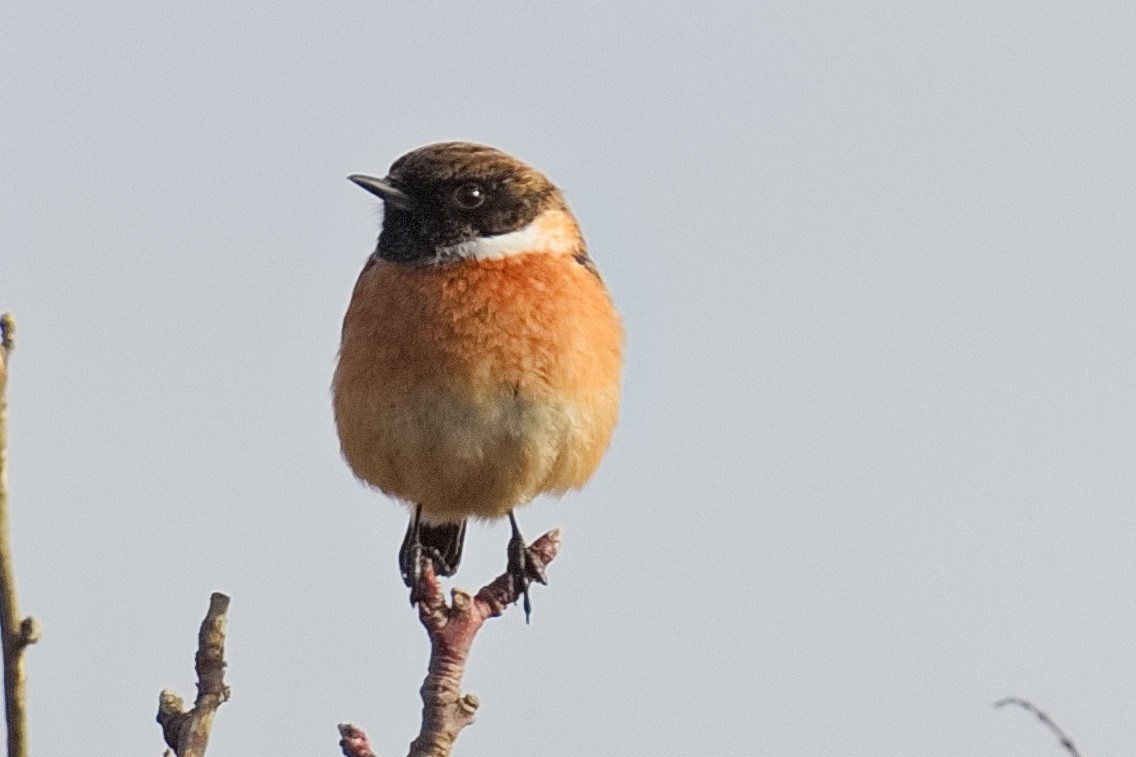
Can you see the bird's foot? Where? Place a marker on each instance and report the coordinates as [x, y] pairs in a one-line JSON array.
[[411, 558], [440, 544], [414, 558], [525, 566]]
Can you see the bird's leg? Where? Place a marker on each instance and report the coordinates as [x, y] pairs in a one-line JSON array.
[[410, 555], [525, 565], [440, 543]]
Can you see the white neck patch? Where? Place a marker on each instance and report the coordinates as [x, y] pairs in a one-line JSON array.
[[552, 231]]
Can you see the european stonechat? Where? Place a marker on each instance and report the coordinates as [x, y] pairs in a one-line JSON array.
[[481, 352]]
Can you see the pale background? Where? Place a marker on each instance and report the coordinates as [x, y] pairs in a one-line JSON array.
[[876, 464]]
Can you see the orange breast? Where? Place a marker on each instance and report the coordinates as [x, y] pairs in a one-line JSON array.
[[470, 388]]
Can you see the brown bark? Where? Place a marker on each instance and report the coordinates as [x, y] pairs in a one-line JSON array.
[[187, 731], [452, 627], [17, 632]]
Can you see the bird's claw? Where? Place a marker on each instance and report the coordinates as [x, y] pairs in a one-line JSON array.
[[415, 559], [525, 565]]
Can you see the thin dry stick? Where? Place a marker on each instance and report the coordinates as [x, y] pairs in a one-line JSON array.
[[1029, 707], [187, 731], [354, 742], [17, 632], [452, 628]]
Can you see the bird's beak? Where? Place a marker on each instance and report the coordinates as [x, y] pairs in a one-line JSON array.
[[384, 189]]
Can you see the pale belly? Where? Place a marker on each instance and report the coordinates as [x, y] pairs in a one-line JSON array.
[[461, 453]]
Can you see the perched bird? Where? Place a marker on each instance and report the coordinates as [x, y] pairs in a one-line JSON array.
[[481, 353]]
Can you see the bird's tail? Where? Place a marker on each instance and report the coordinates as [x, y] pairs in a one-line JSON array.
[[441, 542]]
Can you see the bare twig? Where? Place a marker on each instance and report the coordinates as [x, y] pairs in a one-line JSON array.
[[187, 731], [17, 632], [354, 742], [1029, 707], [452, 628]]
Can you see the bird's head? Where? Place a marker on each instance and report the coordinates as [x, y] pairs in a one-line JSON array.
[[459, 201]]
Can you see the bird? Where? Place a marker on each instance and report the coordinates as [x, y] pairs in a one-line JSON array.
[[481, 353]]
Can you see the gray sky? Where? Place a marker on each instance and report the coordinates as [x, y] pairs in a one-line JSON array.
[[875, 464]]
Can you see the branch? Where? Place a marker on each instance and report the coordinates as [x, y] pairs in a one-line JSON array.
[[1029, 707], [17, 632], [452, 628], [354, 742], [187, 731]]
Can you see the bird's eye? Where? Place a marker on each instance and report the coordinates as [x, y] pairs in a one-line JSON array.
[[469, 196]]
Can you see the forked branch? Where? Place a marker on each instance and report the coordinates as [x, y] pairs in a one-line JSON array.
[[452, 627], [187, 731]]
